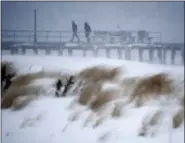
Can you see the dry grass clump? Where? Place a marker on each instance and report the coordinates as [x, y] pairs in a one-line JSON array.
[[117, 111], [26, 79], [88, 79], [150, 122], [103, 97], [92, 80], [22, 101], [178, 118], [154, 85], [99, 73], [14, 92], [105, 102], [129, 81], [139, 102], [20, 87], [100, 101], [96, 98], [18, 84], [98, 122], [10, 67], [155, 118], [88, 92]]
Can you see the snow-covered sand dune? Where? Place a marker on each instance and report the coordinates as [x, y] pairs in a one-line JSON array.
[[47, 119]]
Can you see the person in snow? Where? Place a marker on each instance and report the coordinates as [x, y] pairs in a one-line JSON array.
[[75, 31], [87, 29]]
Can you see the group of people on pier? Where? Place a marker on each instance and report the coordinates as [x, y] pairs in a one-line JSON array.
[[87, 30]]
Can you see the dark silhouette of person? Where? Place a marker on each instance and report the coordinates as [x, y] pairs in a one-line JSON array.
[[75, 31], [87, 29]]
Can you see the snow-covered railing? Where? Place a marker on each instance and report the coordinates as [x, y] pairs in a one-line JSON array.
[[160, 53], [17, 41], [63, 36], [41, 35]]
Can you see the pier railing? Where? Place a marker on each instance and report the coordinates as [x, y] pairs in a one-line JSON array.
[[20, 41]]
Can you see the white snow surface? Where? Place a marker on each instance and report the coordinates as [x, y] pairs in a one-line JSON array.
[[43, 120], [138, 45], [71, 45], [113, 45], [23, 44]]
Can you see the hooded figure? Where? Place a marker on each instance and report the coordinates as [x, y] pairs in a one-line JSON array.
[[75, 31], [87, 29]]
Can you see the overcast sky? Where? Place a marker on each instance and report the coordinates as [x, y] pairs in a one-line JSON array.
[[165, 17]]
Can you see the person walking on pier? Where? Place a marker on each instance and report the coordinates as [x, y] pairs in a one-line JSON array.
[[75, 31], [87, 29]]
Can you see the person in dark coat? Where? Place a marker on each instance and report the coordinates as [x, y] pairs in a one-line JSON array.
[[75, 31], [87, 29]]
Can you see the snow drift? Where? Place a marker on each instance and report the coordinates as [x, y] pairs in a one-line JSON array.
[[103, 96]]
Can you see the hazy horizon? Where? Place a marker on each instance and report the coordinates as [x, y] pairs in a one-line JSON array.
[[164, 17]]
